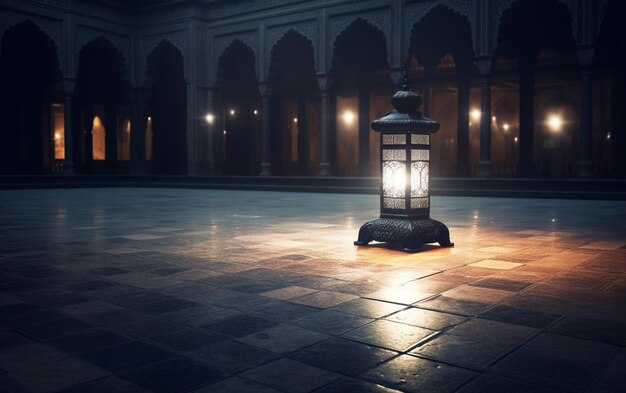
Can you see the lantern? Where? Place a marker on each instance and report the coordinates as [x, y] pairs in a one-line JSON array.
[[405, 179]]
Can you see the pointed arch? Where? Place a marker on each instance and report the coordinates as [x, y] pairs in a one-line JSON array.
[[552, 28], [166, 130], [239, 113], [295, 105], [443, 31], [360, 47], [101, 89], [30, 79]]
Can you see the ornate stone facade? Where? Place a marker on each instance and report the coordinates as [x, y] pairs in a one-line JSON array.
[[202, 30]]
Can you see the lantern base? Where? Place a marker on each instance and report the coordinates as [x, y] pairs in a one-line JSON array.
[[409, 234]]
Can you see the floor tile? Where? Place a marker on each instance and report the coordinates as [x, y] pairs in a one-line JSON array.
[[343, 356], [558, 362], [283, 338], [158, 377], [412, 374], [290, 376], [57, 375], [520, 316], [331, 322], [368, 308], [240, 325], [106, 385], [323, 299], [231, 356], [353, 385], [235, 384], [289, 292], [399, 295], [427, 319], [496, 264], [129, 356], [187, 340], [391, 335]]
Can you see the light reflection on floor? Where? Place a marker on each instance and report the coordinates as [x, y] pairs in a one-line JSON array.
[[273, 295]]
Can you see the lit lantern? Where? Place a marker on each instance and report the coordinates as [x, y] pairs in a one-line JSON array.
[[405, 187]]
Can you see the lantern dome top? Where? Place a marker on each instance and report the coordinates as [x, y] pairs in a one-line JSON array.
[[405, 117]]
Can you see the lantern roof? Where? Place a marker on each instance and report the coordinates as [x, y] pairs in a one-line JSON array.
[[405, 117]]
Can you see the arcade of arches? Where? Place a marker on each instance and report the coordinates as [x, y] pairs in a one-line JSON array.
[[526, 109]]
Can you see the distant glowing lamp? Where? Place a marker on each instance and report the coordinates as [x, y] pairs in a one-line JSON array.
[[405, 185], [295, 119], [505, 126], [256, 112], [475, 114], [210, 118], [555, 123], [348, 117], [232, 112]]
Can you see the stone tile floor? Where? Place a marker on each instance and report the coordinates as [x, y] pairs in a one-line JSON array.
[[171, 290]]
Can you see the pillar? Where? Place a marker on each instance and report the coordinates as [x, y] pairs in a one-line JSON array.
[[463, 118], [585, 56], [364, 130], [110, 137], [265, 88], [68, 90], [212, 130], [484, 164], [324, 82], [526, 166], [138, 131]]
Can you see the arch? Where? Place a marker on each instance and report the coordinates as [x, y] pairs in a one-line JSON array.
[[442, 31], [610, 134], [167, 109], [30, 80], [292, 56], [360, 46], [240, 132], [360, 67], [295, 105], [552, 28], [176, 39], [101, 88]]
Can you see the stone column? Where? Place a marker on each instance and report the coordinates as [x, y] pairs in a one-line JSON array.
[[324, 82], [110, 137], [526, 166], [138, 131], [484, 165], [68, 90], [212, 129], [265, 88], [585, 57], [462, 147], [364, 130]]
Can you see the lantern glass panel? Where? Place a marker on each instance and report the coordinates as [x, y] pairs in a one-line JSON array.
[[394, 139], [420, 139], [394, 179], [419, 179]]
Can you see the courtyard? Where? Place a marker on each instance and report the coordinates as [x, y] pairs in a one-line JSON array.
[[173, 290]]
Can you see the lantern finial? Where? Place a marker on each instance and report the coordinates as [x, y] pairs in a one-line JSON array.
[[404, 100], [405, 78]]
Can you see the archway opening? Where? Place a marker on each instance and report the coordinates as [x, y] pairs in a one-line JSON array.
[[362, 89], [442, 53], [295, 106], [30, 95], [546, 65], [101, 92], [166, 128], [240, 111]]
